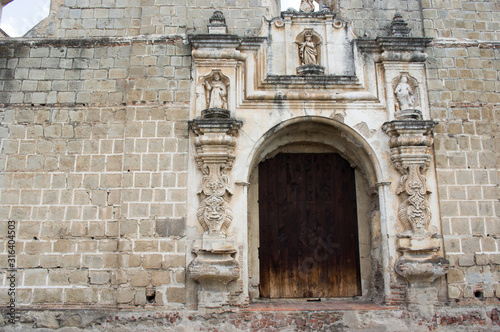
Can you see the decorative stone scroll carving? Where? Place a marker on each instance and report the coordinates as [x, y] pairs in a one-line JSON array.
[[414, 212], [410, 143]]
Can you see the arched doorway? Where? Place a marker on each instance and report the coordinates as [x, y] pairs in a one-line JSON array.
[[329, 142], [308, 227]]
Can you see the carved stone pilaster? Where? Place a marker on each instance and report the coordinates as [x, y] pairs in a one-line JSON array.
[[410, 145], [214, 266], [411, 152], [215, 144]]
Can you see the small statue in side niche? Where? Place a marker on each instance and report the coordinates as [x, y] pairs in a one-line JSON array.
[[404, 94], [308, 52], [216, 92], [307, 6]]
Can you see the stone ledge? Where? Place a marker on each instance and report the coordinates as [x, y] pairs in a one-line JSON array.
[[89, 41], [311, 80]]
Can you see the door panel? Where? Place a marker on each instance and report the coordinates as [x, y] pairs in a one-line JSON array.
[[308, 227]]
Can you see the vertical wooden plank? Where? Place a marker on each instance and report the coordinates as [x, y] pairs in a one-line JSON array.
[[264, 257], [322, 252], [305, 259], [285, 198], [295, 223], [278, 177], [313, 229]]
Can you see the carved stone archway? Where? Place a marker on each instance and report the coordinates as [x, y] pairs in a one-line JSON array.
[[322, 135]]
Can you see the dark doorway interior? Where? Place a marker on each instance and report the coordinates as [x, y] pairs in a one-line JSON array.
[[308, 227]]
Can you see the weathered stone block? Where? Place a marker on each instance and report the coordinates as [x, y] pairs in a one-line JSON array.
[[125, 295], [176, 294], [80, 295], [47, 295], [171, 227], [140, 279], [152, 261], [174, 261], [466, 260], [99, 277]]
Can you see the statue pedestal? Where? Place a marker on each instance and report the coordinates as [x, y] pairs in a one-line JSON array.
[[409, 114], [310, 70]]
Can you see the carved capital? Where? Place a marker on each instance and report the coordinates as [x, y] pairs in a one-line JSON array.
[[410, 142]]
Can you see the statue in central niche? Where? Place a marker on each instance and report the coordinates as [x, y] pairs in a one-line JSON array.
[[308, 52]]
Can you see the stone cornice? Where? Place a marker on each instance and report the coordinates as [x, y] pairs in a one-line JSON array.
[[214, 41], [90, 41]]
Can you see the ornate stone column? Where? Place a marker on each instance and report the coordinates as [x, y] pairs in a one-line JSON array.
[[215, 62], [215, 265], [411, 144]]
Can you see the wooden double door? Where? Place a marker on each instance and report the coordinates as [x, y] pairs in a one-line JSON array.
[[308, 227]]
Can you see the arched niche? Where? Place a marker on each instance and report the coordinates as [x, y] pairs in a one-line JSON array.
[[311, 134]]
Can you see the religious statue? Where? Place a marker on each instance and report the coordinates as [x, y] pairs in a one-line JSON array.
[[404, 94], [216, 92], [307, 50], [307, 6]]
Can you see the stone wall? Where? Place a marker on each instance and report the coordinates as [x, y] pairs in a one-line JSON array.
[[463, 78], [94, 169], [128, 18], [373, 18]]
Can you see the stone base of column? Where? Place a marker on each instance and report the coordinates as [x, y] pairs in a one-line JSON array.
[[422, 300], [213, 268]]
